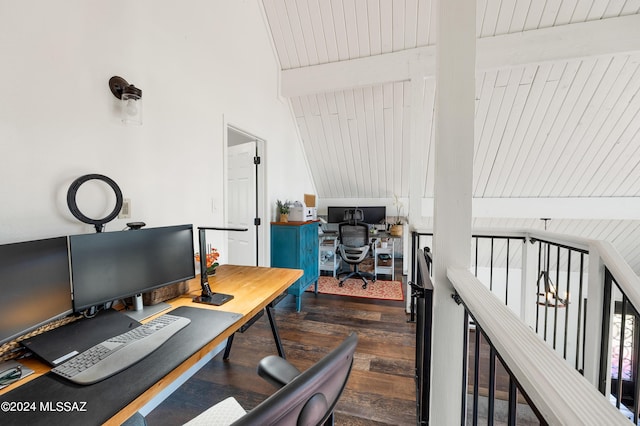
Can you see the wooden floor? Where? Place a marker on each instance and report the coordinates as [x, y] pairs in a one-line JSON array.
[[380, 391]]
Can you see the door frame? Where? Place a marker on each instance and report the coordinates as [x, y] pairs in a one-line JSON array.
[[261, 233]]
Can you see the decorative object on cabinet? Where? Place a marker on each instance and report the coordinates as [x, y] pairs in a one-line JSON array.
[[295, 245], [300, 212], [283, 210]]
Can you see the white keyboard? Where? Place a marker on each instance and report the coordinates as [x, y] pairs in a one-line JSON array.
[[120, 352]]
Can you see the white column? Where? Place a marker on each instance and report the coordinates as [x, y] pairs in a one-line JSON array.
[[417, 167], [455, 82], [593, 325], [421, 116]]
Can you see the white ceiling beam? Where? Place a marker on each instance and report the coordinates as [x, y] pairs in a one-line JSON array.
[[594, 38], [607, 208], [585, 39], [367, 71]]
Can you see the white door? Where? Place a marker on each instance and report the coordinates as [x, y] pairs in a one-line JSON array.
[[242, 190]]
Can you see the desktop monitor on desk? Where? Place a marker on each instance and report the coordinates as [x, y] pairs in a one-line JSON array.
[[109, 266], [372, 215], [35, 287]]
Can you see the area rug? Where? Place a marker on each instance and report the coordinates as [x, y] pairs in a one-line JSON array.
[[385, 290]]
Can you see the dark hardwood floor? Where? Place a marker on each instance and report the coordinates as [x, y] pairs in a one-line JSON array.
[[380, 391]]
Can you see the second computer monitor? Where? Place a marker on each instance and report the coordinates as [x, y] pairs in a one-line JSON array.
[[35, 287], [373, 215], [109, 266]]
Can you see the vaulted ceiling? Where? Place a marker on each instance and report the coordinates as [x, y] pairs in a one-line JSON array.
[[557, 101]]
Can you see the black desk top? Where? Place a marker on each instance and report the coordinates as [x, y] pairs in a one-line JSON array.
[[50, 400]]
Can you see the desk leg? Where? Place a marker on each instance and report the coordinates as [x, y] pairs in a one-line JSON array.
[[227, 348], [274, 330]]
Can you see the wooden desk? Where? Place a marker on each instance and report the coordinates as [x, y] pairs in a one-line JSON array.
[[253, 287]]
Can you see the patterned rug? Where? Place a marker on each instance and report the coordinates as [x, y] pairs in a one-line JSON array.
[[385, 290]]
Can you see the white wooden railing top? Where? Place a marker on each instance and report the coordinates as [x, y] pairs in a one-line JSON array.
[[624, 276], [559, 393]]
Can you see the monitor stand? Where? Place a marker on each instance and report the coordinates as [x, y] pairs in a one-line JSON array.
[[142, 312]]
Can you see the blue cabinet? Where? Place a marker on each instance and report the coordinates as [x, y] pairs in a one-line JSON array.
[[295, 245]]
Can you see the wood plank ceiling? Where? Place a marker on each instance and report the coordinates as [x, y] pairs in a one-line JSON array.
[[568, 127]]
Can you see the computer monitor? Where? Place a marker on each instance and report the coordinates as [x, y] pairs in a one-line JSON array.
[[108, 266], [335, 214], [373, 215], [35, 287]]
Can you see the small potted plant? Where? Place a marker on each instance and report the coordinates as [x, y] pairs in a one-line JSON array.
[[396, 227], [283, 210]]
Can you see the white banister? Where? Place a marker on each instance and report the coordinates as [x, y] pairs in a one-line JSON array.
[[560, 394]]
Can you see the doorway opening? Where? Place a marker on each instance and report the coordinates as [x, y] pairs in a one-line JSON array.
[[244, 197]]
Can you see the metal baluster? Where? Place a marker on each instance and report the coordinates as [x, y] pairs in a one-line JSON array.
[[623, 333], [465, 366], [506, 278], [546, 305], [538, 284], [476, 267], [557, 298], [476, 376], [566, 312], [580, 319], [513, 402], [634, 365], [604, 332], [492, 386], [491, 267]]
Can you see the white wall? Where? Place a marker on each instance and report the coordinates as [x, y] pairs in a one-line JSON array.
[[196, 62]]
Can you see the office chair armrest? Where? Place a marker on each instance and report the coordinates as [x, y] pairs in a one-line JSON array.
[[277, 371]]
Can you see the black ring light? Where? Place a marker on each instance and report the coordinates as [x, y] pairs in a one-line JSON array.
[[73, 206]]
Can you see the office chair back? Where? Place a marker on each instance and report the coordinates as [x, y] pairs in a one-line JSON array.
[[309, 399], [354, 234]]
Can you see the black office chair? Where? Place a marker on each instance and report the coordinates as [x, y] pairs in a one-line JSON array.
[[354, 248], [307, 398]]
